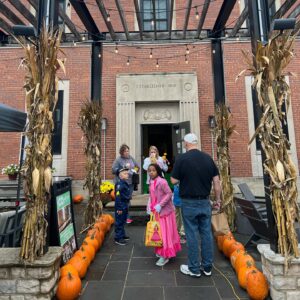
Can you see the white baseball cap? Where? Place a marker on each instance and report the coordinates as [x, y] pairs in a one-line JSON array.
[[191, 138]]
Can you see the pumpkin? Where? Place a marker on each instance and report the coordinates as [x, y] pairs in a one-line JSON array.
[[111, 219], [243, 273], [257, 285], [80, 264], [241, 261], [68, 268], [234, 255], [94, 233], [106, 219], [228, 242], [77, 198], [91, 240], [82, 254], [220, 240], [234, 247], [89, 250], [68, 287], [113, 195], [102, 226]]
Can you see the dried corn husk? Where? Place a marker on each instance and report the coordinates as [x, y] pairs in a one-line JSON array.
[[90, 123], [273, 91], [41, 96], [222, 133]]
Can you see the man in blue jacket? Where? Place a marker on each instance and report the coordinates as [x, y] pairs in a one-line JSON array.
[[123, 195]]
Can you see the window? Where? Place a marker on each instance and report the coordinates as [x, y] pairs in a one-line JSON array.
[[161, 14], [58, 124]]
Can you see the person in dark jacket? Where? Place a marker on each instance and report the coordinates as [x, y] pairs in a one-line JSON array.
[[123, 196]]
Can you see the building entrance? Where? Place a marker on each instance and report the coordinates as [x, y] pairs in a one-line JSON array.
[[159, 135]]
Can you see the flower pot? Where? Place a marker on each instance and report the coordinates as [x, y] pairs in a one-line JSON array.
[[12, 176]]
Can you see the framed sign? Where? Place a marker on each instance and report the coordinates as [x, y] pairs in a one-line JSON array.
[[62, 224]]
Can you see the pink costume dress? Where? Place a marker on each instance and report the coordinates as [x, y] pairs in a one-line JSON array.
[[160, 193]]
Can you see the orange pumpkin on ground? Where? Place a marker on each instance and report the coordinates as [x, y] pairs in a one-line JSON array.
[[243, 273], [68, 268], [69, 287], [220, 240], [94, 233], [241, 261], [234, 255], [82, 254], [91, 240], [228, 242], [102, 226], [77, 198], [89, 250], [80, 264], [235, 246], [111, 219], [113, 195], [257, 285]]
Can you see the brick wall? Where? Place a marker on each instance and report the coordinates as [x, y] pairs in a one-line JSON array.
[[78, 72]]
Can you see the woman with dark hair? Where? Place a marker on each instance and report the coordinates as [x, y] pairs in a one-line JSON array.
[[125, 160]]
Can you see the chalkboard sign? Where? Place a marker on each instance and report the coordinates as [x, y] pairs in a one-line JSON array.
[[62, 223]]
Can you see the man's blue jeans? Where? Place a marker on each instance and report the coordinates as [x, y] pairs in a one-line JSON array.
[[197, 218]]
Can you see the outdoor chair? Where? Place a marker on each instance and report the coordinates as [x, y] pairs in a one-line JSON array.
[[259, 224], [12, 229]]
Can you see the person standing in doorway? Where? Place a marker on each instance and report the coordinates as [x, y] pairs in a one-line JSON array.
[[196, 171], [125, 160], [154, 158]]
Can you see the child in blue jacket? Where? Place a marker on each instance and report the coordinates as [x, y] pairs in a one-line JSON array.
[[177, 204], [123, 195]]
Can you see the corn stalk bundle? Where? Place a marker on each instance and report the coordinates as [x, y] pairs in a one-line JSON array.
[[90, 123], [222, 133], [273, 92], [41, 63]]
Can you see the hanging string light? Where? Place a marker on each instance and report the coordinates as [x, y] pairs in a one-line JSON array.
[[150, 55], [157, 64], [187, 50], [186, 59], [74, 44], [128, 61], [99, 55], [214, 51], [116, 49], [83, 38], [108, 17], [197, 13]]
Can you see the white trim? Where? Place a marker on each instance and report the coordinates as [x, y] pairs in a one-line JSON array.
[[60, 161]]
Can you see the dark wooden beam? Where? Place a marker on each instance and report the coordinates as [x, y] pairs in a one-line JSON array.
[[270, 3], [243, 16], [202, 18], [86, 19], [5, 26], [96, 71], [295, 13], [187, 17], [21, 8], [222, 18], [154, 19], [283, 9], [107, 23], [171, 8], [123, 19], [11, 16], [139, 18]]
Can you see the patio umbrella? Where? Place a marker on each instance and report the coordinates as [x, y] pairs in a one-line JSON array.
[[11, 119]]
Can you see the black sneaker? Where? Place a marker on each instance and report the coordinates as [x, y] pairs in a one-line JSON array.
[[126, 238], [120, 242], [206, 271]]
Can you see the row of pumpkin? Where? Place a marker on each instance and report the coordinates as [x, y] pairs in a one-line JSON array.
[[249, 277], [69, 285]]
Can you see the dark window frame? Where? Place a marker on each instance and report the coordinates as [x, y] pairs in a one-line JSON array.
[[158, 12], [58, 124]]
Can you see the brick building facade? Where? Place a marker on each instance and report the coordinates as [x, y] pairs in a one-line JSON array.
[[171, 57]]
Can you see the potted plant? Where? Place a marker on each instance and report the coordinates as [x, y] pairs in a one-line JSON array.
[[106, 192], [11, 171]]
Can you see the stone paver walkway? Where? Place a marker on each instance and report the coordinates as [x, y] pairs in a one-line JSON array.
[[129, 272]]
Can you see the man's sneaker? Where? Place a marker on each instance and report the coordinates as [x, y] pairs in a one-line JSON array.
[[185, 270], [129, 221], [206, 271], [162, 261], [126, 238], [120, 242]]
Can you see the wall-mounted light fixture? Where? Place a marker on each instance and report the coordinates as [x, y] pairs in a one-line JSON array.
[[26, 31], [283, 24], [211, 122], [104, 124]]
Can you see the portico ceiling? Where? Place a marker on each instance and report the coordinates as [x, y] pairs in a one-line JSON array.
[[114, 13]]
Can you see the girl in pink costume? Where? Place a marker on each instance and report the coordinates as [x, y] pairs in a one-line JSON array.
[[162, 206]]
